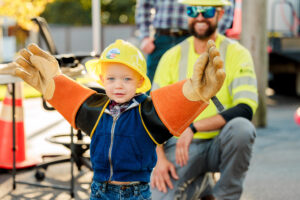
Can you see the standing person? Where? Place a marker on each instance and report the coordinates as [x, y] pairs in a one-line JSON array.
[[124, 124], [214, 142], [170, 25]]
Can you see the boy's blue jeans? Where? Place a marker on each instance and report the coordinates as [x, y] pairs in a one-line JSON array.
[[106, 191]]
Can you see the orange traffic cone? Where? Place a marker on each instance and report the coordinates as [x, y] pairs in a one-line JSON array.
[[236, 29], [6, 132]]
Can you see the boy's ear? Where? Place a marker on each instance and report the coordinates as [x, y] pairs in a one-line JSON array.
[[140, 82]]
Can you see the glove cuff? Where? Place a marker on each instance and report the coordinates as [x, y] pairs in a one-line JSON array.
[[68, 97]]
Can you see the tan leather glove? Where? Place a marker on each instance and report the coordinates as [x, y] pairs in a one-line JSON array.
[[8, 69], [208, 76], [38, 68]]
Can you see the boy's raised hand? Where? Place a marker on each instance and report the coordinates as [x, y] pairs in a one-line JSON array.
[[38, 68], [208, 76]]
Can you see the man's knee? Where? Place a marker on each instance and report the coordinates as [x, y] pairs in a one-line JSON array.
[[241, 131]]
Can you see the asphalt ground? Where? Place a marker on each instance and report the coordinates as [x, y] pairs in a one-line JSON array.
[[274, 172]]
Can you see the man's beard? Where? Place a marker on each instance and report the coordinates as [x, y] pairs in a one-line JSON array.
[[206, 35]]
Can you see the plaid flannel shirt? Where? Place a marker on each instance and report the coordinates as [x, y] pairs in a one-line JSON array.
[[227, 18], [169, 14]]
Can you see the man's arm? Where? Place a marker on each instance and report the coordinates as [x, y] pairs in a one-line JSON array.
[[210, 124], [216, 122], [143, 21], [213, 123]]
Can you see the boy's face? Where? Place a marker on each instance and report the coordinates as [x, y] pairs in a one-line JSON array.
[[120, 82]]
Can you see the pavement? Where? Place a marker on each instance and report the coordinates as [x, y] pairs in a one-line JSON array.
[[274, 172]]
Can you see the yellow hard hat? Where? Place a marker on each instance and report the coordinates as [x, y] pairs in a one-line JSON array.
[[125, 53], [206, 2]]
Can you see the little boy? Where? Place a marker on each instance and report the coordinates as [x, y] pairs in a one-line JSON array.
[[125, 125]]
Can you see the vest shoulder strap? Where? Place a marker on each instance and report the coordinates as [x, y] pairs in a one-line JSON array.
[[183, 63], [223, 48], [185, 46]]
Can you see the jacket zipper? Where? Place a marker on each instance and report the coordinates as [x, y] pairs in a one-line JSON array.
[[111, 145]]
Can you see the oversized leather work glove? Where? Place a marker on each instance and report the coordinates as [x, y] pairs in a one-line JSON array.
[[8, 68], [208, 76], [38, 68]]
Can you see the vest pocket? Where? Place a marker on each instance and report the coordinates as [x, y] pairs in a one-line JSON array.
[[99, 151]]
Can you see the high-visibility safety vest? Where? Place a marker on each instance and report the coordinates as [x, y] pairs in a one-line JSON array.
[[240, 85]]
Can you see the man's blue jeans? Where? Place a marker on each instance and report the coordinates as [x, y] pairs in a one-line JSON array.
[[105, 191], [228, 153]]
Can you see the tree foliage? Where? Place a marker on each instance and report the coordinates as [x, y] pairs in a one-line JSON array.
[[118, 11], [78, 12], [23, 10], [71, 12]]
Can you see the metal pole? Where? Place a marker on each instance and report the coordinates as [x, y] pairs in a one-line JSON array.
[[72, 163], [96, 25], [254, 37], [14, 135]]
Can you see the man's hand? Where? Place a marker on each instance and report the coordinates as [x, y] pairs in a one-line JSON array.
[[147, 45], [160, 177], [38, 68], [182, 147], [208, 76]]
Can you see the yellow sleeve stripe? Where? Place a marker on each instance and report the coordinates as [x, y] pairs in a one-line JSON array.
[[245, 95], [97, 122], [146, 127]]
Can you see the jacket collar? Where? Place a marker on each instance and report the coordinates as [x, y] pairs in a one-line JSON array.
[[115, 109]]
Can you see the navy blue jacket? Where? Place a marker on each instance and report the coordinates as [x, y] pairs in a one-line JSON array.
[[122, 147]]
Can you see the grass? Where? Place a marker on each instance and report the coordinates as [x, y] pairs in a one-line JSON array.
[[28, 91]]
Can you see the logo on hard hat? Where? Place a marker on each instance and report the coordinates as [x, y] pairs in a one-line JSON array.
[[111, 54]]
